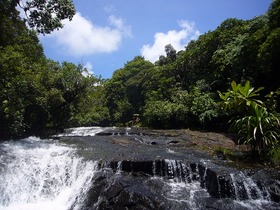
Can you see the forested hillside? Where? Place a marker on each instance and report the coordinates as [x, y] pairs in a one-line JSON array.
[[35, 92], [228, 79], [180, 90]]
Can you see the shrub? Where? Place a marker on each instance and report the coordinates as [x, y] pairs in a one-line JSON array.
[[256, 124]]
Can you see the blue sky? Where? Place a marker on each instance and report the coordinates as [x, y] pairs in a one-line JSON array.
[[105, 34]]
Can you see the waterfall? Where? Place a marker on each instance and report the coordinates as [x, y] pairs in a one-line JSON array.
[[183, 186], [61, 175], [37, 174], [81, 131]]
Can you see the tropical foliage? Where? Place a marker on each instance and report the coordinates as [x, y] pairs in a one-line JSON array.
[[37, 93], [180, 90], [43, 16], [255, 123]]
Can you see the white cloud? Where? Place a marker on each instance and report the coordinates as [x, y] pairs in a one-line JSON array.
[[89, 66], [178, 39], [89, 69], [110, 8], [81, 37], [119, 24]]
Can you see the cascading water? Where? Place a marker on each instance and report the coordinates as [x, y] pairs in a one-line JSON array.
[[182, 186], [81, 131], [248, 194], [84, 171], [37, 174]]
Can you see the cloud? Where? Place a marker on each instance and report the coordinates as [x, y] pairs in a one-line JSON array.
[[88, 69], [81, 37], [110, 8], [178, 39], [119, 24]]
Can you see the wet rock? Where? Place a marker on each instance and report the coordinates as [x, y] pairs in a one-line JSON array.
[[111, 191], [133, 184], [274, 190], [137, 157], [134, 196], [268, 182], [145, 167], [173, 142], [212, 184], [218, 186], [220, 155], [99, 182], [223, 205]]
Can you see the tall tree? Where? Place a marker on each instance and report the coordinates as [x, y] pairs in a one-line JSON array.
[[45, 16], [125, 92], [274, 14]]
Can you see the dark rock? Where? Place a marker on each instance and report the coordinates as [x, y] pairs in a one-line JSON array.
[[135, 165], [218, 186], [99, 182], [138, 166], [220, 155], [274, 190], [111, 191], [136, 196], [105, 134], [212, 184], [173, 142]]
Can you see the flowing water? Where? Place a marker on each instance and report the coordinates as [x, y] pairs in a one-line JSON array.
[[42, 174], [38, 174]]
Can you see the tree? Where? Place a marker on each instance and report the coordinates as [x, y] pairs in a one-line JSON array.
[[248, 59], [19, 91], [91, 108], [203, 107], [170, 56], [66, 88], [21, 57], [195, 63], [160, 114], [45, 16], [228, 60], [125, 91], [274, 14], [269, 59]]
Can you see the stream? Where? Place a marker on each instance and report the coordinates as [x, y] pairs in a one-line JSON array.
[[121, 168]]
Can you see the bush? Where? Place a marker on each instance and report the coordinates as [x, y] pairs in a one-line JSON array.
[[256, 124]]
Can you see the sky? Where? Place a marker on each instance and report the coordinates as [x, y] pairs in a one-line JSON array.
[[106, 34]]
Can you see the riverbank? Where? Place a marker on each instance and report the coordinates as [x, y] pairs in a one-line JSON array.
[[142, 152], [223, 146]]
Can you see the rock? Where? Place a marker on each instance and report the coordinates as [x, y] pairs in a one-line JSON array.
[[173, 142], [274, 190], [132, 184], [140, 166], [111, 191], [220, 155]]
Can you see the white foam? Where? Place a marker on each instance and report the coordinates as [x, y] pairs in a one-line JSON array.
[[37, 174], [82, 131]]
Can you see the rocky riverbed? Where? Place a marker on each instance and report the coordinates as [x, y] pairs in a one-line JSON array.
[[130, 157], [90, 168]]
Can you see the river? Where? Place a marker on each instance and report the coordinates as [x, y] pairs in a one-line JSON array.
[[79, 171]]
